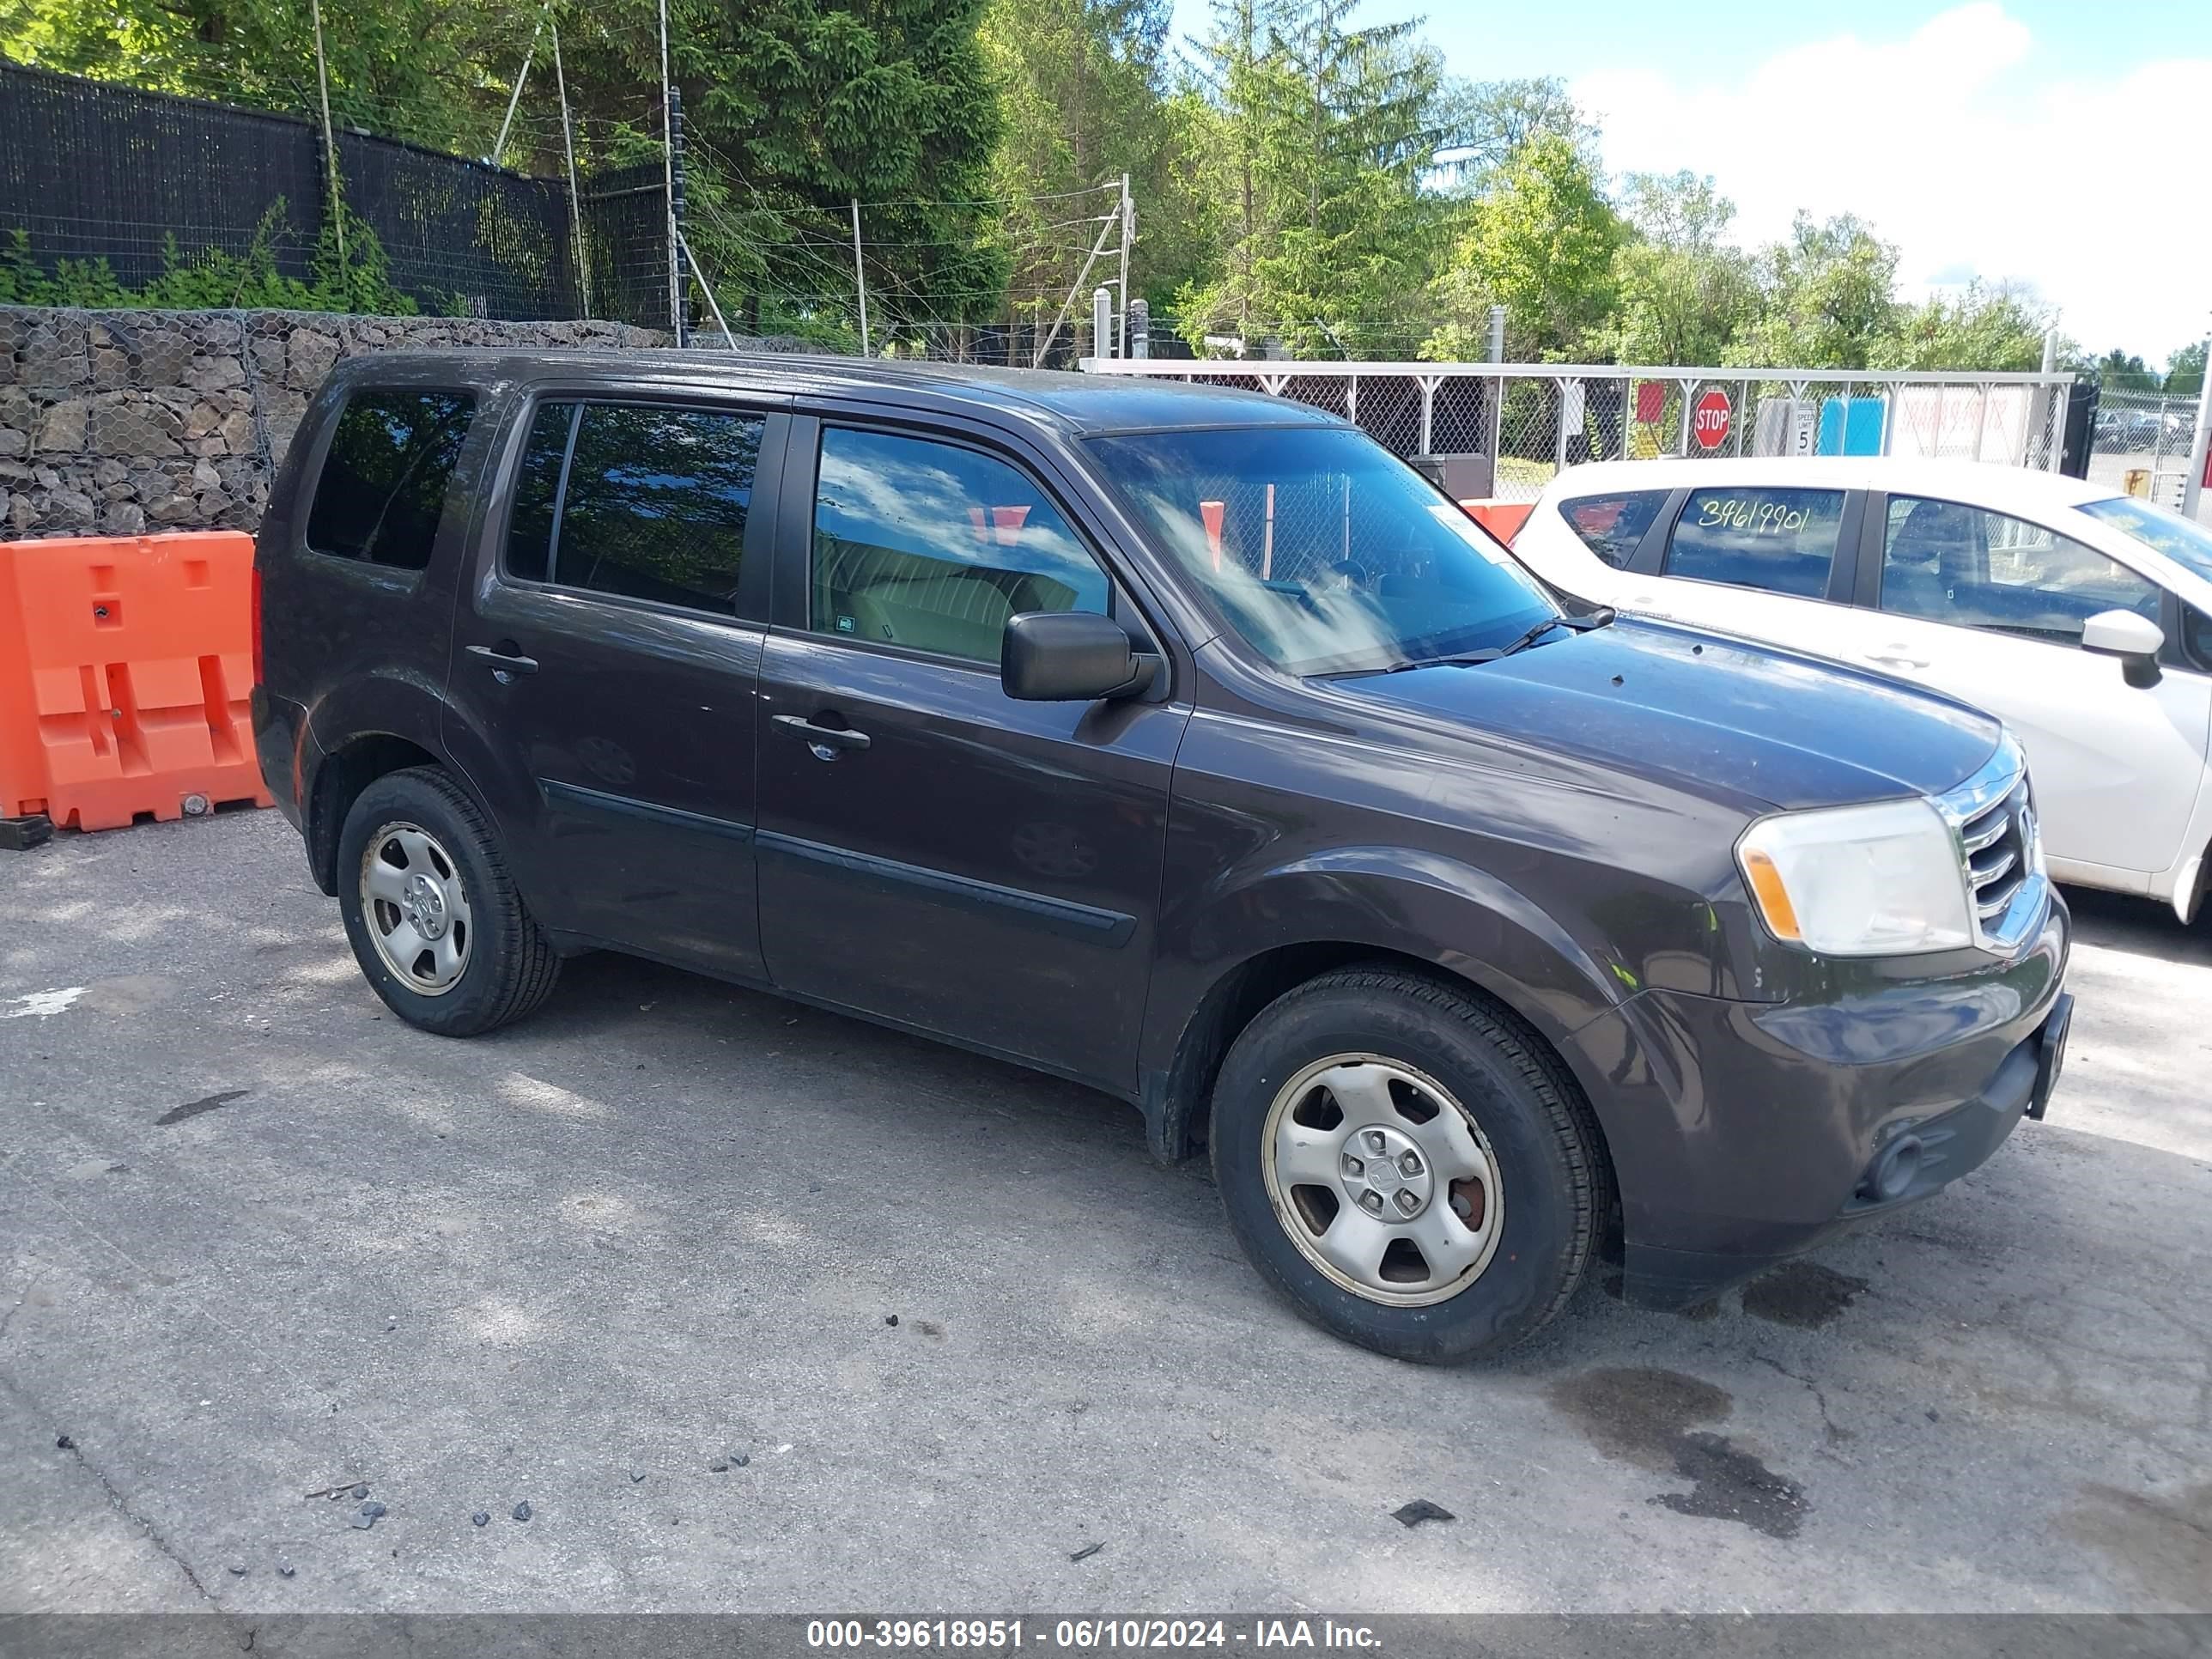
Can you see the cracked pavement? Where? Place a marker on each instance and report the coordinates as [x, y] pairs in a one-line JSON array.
[[258, 1239]]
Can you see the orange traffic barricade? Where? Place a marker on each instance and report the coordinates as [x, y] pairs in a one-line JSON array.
[[125, 666]]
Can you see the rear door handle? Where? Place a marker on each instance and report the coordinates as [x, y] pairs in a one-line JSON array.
[[1895, 658], [821, 738], [504, 657]]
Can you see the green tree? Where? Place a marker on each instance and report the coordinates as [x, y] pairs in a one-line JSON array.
[[1684, 291], [1489, 121], [1325, 134], [795, 108], [1996, 329], [415, 70], [1543, 244], [2184, 370], [1827, 294], [1082, 88]]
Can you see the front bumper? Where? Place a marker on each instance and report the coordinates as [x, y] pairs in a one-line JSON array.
[[1745, 1133]]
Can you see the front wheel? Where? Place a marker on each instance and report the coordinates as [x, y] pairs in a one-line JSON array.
[[431, 912], [1407, 1165]]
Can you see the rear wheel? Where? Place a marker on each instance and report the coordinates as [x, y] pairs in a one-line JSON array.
[[431, 912], [1407, 1164]]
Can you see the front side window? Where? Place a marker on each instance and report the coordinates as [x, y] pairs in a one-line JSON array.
[[933, 546], [1778, 541], [1325, 552], [1611, 526], [383, 484], [1949, 562], [645, 500]]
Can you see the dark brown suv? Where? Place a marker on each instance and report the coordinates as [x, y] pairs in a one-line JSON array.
[[1177, 741]]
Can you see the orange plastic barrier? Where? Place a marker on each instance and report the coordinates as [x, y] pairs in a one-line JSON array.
[[1503, 519], [125, 666]]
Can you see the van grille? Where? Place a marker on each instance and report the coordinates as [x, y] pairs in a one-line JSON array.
[[1996, 845], [1993, 815]]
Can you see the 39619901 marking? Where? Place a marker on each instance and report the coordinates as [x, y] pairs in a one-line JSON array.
[[985, 1634], [1139, 1633]]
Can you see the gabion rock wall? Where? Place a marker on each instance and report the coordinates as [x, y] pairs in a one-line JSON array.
[[118, 422]]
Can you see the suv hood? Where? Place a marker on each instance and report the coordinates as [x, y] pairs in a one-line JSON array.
[[1727, 718]]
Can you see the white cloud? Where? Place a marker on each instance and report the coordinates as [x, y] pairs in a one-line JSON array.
[[1958, 151]]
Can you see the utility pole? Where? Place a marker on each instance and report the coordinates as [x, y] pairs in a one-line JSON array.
[[329, 139], [2200, 446], [1128, 235], [1098, 247], [668, 174], [1497, 388], [676, 199], [568, 147], [499, 144], [861, 278]]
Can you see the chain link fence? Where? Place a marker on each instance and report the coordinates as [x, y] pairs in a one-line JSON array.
[[1508, 428], [2141, 443]]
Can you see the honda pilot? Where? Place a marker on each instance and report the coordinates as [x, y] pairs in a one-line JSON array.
[[1178, 741]]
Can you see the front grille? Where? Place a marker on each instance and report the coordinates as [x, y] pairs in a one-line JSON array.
[[1996, 845], [1993, 816]]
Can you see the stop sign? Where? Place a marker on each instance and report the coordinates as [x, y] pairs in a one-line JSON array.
[[1710, 424]]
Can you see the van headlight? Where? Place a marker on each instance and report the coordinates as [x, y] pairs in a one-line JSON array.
[[1880, 880]]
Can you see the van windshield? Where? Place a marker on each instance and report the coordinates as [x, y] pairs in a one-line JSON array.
[[1326, 553]]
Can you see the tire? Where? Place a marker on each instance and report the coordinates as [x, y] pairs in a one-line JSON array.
[[437, 872], [1509, 1147]]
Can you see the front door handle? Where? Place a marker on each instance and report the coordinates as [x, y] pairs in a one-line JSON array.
[[824, 740], [505, 658]]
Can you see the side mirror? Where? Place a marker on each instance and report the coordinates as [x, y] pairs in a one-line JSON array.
[[2135, 639], [1072, 656]]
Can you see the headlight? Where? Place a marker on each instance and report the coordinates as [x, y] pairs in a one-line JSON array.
[[1859, 881]]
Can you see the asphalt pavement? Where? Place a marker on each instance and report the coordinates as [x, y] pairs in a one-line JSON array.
[[636, 1265]]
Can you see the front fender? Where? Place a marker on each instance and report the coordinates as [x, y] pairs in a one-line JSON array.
[[1330, 906]]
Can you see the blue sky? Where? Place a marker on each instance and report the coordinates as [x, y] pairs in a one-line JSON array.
[[2061, 143]]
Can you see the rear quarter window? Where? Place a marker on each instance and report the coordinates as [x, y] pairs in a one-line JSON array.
[[382, 487], [1611, 526]]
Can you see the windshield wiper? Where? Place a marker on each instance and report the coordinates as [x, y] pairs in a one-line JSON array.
[[1601, 617]]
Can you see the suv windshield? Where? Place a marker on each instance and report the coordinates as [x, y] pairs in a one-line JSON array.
[[2187, 543], [1326, 553]]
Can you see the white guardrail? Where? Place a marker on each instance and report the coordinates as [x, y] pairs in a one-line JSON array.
[[1520, 422]]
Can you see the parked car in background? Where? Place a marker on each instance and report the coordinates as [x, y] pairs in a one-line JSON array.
[[1178, 741], [2082, 618], [2121, 431]]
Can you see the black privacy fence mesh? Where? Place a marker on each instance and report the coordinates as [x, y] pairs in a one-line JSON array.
[[150, 183], [626, 244]]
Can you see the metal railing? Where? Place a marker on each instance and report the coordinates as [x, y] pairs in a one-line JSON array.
[[1526, 421]]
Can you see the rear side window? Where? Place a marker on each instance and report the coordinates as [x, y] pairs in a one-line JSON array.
[[383, 483], [1779, 541], [1611, 526], [647, 500]]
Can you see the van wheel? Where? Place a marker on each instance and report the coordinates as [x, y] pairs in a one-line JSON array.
[[1407, 1165], [433, 915]]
